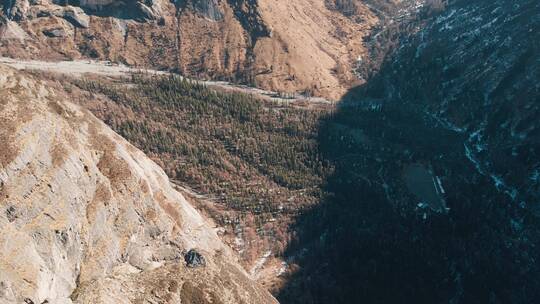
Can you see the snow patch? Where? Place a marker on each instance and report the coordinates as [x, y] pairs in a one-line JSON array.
[[254, 272]]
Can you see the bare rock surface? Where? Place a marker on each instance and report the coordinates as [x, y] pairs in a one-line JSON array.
[[87, 218]]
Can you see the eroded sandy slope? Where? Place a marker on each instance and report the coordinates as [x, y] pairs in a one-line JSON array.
[[87, 218]]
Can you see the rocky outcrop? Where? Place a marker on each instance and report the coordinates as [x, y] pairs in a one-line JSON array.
[[194, 259], [56, 32], [75, 16], [207, 8], [87, 218], [10, 30]]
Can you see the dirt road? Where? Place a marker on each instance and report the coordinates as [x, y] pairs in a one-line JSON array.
[[79, 68]]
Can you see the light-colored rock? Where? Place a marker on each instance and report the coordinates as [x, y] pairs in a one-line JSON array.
[[76, 16], [87, 218], [10, 30], [16, 10]]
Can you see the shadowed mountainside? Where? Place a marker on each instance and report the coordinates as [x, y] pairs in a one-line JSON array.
[[459, 103]]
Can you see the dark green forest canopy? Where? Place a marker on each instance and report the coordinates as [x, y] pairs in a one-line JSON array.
[[253, 156]]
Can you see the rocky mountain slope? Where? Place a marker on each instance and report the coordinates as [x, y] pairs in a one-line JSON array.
[[251, 164], [303, 45], [421, 186], [87, 218]]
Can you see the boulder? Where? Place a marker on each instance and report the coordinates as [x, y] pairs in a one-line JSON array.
[[55, 33], [194, 259], [77, 17]]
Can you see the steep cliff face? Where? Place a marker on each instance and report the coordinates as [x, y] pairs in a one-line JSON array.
[[304, 45], [87, 218]]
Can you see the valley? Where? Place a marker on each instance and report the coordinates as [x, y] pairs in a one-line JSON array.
[[311, 151], [82, 68], [262, 43]]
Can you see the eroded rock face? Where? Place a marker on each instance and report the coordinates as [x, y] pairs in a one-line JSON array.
[[207, 8], [87, 218], [11, 31]]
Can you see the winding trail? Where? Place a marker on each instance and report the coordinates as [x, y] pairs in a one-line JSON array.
[[80, 68]]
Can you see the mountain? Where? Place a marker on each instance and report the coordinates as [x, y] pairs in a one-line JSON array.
[[249, 163], [88, 218], [420, 186], [434, 197], [311, 46]]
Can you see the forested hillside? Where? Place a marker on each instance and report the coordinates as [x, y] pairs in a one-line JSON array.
[[435, 189], [256, 161]]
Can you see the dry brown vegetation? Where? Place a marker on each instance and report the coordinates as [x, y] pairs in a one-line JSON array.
[[289, 46]]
